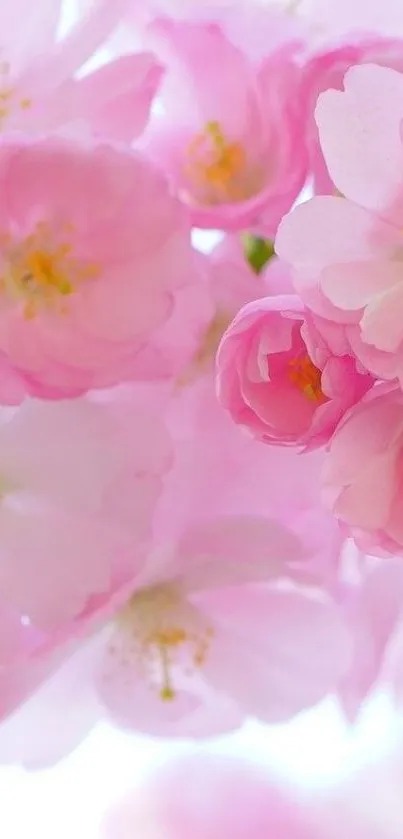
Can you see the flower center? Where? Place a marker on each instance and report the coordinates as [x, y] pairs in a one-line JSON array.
[[10, 100], [205, 354], [218, 167], [303, 373], [169, 636], [41, 270]]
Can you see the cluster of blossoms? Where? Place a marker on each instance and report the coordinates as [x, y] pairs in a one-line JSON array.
[[201, 453]]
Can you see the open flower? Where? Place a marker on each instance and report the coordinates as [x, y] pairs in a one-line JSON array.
[[202, 641], [39, 91], [93, 246], [347, 251], [278, 376], [207, 630], [229, 133]]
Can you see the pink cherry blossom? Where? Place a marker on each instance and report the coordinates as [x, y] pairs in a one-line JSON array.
[[206, 632], [186, 655], [39, 91], [362, 478], [94, 247], [194, 795], [229, 132], [79, 485], [203, 611], [277, 375], [346, 251]]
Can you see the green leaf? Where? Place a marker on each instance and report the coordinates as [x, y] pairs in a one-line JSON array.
[[258, 251]]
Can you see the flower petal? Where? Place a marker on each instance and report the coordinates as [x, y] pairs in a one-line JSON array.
[[360, 132], [271, 649]]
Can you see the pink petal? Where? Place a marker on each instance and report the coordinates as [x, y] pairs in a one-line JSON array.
[[225, 85], [360, 131], [117, 98], [330, 230], [369, 433], [56, 719], [41, 562], [374, 610], [271, 650], [80, 43], [21, 45], [232, 550], [18, 639], [353, 285], [131, 699], [381, 325]]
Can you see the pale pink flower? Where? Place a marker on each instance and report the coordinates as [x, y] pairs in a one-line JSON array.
[[206, 631], [79, 484], [278, 377], [93, 246], [200, 644], [39, 91], [362, 478], [208, 796], [347, 251], [230, 129], [326, 69]]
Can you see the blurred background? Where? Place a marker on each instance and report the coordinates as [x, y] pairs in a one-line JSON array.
[[357, 769]]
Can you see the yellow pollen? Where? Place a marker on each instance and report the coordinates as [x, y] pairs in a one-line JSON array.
[[303, 373], [10, 100], [217, 165], [41, 271], [168, 636]]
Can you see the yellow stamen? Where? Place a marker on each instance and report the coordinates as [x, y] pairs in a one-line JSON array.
[[43, 270], [40, 271], [218, 166], [168, 634], [307, 378]]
